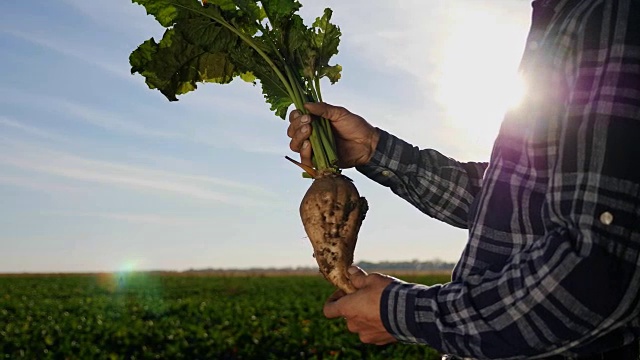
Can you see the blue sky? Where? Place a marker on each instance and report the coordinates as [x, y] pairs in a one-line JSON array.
[[99, 173]]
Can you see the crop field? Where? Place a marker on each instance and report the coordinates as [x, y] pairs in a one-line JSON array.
[[155, 316]]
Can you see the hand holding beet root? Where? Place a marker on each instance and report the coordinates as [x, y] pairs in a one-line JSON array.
[[356, 139], [361, 309]]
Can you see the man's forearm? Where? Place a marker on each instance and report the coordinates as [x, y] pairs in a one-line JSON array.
[[435, 184]]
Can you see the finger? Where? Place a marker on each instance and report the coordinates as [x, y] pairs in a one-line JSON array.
[[366, 339], [336, 295], [296, 120], [357, 276], [294, 115], [327, 111], [333, 309], [383, 339], [386, 341], [306, 153], [299, 137], [351, 326], [378, 338], [299, 131], [297, 124]]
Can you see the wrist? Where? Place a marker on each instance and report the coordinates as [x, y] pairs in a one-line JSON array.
[[374, 138]]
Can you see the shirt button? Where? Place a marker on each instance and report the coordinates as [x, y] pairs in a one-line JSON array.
[[386, 173], [606, 218]]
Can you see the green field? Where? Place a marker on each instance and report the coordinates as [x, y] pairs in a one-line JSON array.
[[151, 316]]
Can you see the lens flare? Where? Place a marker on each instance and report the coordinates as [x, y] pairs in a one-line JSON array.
[[477, 78]]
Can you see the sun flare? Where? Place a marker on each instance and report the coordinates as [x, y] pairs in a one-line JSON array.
[[477, 80]]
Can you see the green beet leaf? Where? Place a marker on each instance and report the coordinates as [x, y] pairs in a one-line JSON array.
[[258, 41]]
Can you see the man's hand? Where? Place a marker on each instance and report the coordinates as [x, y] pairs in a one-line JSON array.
[[356, 139], [361, 309]]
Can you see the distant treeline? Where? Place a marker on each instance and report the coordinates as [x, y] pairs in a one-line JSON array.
[[414, 265], [401, 266]]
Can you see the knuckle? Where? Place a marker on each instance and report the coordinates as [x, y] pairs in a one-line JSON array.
[[340, 110], [304, 132], [295, 114]]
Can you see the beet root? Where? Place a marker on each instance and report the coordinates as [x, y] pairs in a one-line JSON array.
[[332, 212]]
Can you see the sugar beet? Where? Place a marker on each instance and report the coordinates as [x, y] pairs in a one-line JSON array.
[[332, 212]]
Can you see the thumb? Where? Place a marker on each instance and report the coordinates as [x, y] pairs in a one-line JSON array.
[[357, 276], [326, 111]]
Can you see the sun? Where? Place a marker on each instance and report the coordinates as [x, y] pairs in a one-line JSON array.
[[477, 77]]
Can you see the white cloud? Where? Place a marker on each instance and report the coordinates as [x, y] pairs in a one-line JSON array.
[[137, 218], [229, 118], [47, 161], [28, 182], [82, 52], [30, 130], [111, 121], [117, 15]]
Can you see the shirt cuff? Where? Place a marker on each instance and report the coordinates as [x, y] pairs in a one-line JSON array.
[[399, 312], [390, 155]]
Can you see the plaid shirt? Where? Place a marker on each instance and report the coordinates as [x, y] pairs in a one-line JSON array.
[[552, 263]]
